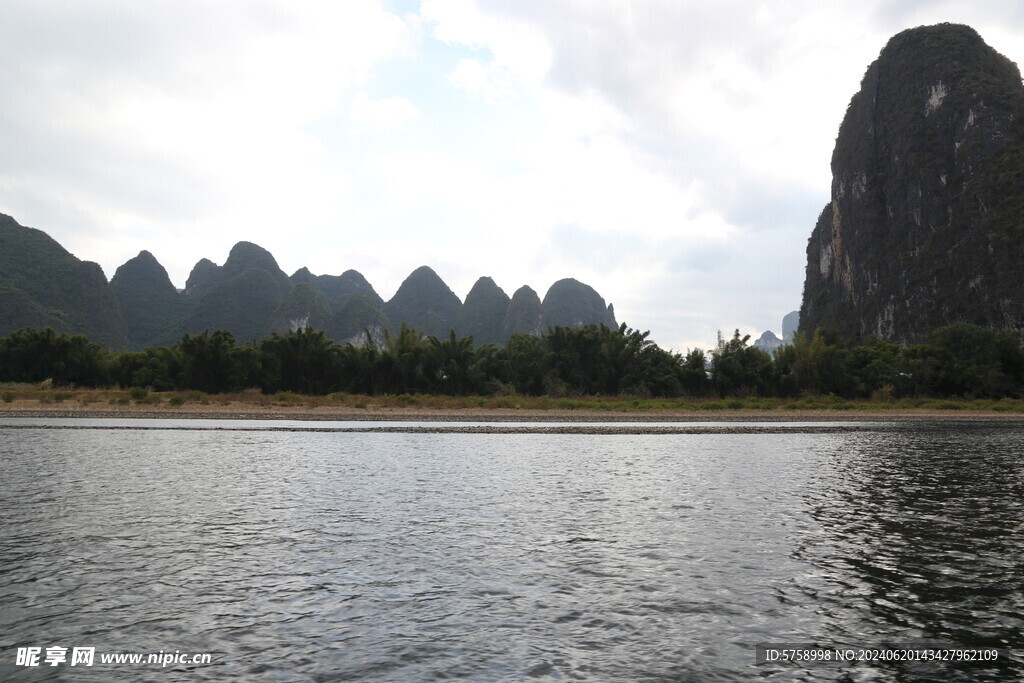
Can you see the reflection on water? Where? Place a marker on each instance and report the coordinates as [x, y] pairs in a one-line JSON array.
[[396, 556]]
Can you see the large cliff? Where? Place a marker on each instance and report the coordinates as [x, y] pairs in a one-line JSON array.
[[926, 222]]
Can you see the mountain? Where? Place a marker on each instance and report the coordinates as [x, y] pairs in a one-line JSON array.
[[925, 226], [337, 288], [246, 296], [768, 341], [245, 256], [790, 324], [484, 313], [354, 317], [151, 306], [425, 302], [524, 314], [244, 305], [302, 307], [205, 274], [353, 304], [44, 285], [570, 303]]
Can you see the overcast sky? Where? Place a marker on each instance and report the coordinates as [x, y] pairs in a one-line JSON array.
[[674, 155]]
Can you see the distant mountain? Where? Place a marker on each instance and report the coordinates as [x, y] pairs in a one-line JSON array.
[[790, 325], [484, 313], [924, 226], [337, 288], [303, 306], [357, 315], [245, 256], [244, 305], [524, 315], [152, 308], [769, 341], [425, 302], [205, 274], [43, 285], [570, 303]]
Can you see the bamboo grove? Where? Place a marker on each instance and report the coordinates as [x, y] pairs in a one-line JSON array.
[[958, 361]]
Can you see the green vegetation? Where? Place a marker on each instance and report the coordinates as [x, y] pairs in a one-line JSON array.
[[563, 369]]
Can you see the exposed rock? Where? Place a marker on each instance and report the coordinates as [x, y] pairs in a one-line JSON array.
[[358, 316], [302, 307], [925, 223]]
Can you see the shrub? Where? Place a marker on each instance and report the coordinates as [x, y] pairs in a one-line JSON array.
[[138, 393], [177, 401], [8, 397]]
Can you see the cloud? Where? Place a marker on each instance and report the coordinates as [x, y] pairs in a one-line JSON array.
[[188, 124], [487, 82], [673, 154], [383, 115]]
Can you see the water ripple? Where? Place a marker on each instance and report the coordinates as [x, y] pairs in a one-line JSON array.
[[323, 555]]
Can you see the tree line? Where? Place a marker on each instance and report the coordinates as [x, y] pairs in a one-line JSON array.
[[959, 360]]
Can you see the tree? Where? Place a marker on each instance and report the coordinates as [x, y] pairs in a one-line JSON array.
[[303, 360], [207, 361]]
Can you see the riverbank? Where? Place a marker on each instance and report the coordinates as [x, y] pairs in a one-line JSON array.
[[43, 401], [244, 411]]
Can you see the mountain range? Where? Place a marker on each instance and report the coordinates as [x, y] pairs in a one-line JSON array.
[[43, 285]]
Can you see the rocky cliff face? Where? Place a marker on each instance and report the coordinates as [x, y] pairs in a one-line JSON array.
[[926, 223]]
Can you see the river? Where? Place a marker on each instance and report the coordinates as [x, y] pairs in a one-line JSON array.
[[313, 554]]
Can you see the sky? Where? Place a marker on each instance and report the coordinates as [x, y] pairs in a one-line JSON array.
[[672, 154]]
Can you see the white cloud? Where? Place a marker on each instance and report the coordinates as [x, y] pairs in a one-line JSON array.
[[198, 133], [383, 115], [486, 82], [673, 154]]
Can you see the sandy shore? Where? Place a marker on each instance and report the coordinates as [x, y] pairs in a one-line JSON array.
[[245, 411]]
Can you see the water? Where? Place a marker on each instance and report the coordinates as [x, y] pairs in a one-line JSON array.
[[326, 556]]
